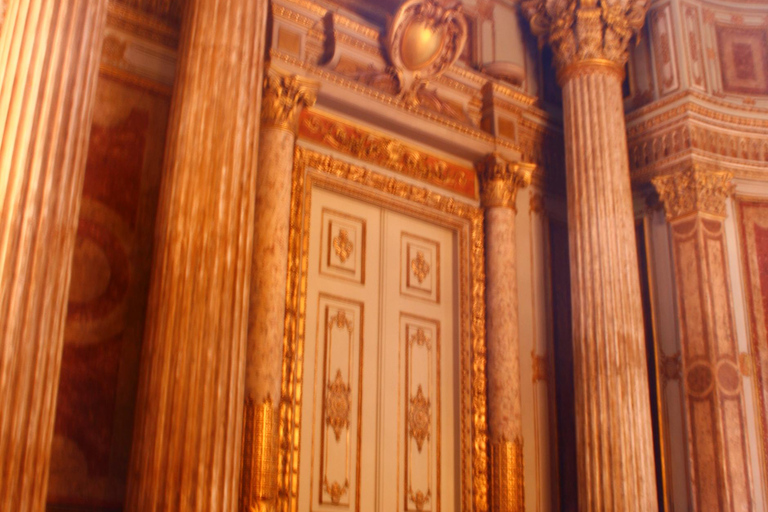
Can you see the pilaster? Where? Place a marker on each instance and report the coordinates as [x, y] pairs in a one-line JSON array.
[[499, 183], [284, 97], [694, 199]]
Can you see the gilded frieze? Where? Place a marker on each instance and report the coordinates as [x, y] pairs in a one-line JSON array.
[[386, 152]]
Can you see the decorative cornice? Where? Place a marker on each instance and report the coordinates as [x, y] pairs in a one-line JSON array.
[[586, 31], [696, 189], [500, 180], [284, 97]]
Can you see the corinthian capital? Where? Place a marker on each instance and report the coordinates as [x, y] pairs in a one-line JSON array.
[[284, 97], [500, 180], [695, 189], [586, 30]]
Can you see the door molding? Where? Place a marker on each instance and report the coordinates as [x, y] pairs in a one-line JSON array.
[[313, 169]]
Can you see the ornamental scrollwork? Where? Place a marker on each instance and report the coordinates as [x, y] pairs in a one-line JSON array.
[[337, 405], [342, 245], [419, 418]]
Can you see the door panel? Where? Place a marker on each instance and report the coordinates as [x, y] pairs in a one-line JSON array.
[[379, 429]]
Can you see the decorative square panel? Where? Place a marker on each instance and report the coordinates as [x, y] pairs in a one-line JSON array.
[[664, 49], [342, 253], [743, 58], [420, 267]]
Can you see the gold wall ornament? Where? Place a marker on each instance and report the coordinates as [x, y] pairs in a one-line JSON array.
[[420, 267], [425, 39], [507, 492], [260, 461], [389, 153], [342, 245], [420, 339], [419, 498], [283, 98], [500, 180], [419, 418], [337, 405], [695, 189], [586, 30], [336, 490]]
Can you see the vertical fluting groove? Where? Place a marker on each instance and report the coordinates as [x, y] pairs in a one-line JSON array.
[[49, 54], [612, 405], [186, 450]]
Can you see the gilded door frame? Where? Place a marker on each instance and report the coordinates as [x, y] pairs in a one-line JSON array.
[[312, 169]]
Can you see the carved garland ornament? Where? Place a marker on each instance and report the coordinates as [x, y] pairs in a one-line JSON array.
[[586, 30]]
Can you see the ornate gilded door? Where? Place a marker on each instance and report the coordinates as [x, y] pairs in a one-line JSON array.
[[379, 417]]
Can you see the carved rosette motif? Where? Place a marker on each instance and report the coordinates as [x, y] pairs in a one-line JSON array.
[[586, 30], [337, 405], [284, 97], [420, 267], [419, 418], [342, 245], [500, 180], [696, 189]]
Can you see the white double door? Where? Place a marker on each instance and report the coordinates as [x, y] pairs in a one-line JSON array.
[[379, 426]]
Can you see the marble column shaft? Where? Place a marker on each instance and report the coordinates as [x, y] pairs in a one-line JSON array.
[[284, 97], [500, 181], [694, 199], [49, 61], [188, 428], [613, 423]]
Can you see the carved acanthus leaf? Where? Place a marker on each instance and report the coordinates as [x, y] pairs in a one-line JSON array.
[[696, 189], [500, 180], [579, 30]]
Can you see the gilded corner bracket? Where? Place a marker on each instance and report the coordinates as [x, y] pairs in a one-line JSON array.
[[260, 449], [507, 493]]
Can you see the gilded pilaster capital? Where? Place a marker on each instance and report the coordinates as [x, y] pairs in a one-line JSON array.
[[591, 32], [500, 180], [695, 189], [284, 97]]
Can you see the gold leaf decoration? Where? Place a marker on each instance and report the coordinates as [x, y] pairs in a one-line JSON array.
[[420, 267], [419, 418], [337, 405], [342, 245]]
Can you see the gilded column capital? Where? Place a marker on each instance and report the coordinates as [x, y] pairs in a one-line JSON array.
[[586, 33], [500, 180], [284, 97], [696, 189]]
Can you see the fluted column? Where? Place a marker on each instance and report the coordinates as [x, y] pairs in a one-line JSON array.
[[613, 423], [49, 56], [499, 183], [717, 438], [284, 97], [188, 429]]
